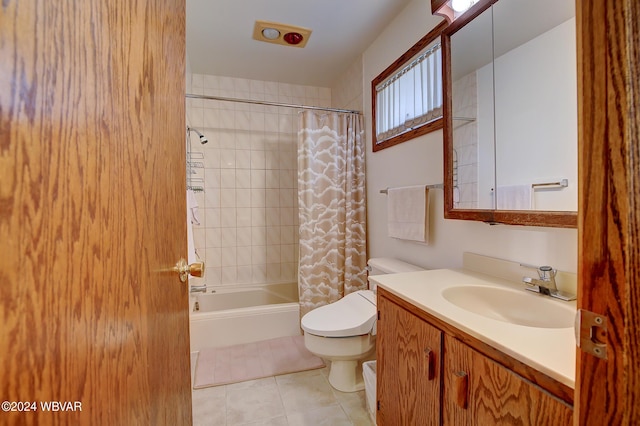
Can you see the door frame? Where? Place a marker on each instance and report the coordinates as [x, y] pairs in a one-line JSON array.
[[608, 390]]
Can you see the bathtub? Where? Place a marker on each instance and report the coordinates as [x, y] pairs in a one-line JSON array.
[[243, 314]]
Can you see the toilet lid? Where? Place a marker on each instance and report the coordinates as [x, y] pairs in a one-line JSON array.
[[353, 315]]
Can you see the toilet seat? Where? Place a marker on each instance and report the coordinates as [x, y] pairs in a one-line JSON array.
[[353, 315]]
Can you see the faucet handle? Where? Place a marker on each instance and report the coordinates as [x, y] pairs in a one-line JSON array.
[[546, 273]]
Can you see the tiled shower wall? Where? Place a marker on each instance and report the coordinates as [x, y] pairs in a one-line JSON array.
[[465, 140], [248, 232]]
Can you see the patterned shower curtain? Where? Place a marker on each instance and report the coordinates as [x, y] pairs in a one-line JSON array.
[[332, 207]]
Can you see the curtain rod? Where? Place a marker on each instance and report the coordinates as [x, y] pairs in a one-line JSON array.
[[277, 104]]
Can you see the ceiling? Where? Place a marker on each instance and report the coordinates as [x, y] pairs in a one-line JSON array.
[[219, 37]]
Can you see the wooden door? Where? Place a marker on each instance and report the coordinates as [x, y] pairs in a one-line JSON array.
[[608, 390], [408, 367], [479, 391], [92, 208]]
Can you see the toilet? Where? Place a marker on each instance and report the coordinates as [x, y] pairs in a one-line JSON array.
[[343, 332]]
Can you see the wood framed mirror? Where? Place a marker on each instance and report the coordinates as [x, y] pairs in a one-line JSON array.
[[510, 113]]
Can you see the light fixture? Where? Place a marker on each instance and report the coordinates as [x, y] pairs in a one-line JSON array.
[[286, 35], [460, 6], [271, 33], [451, 9], [293, 38]]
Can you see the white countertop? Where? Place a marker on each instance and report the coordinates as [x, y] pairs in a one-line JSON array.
[[549, 350]]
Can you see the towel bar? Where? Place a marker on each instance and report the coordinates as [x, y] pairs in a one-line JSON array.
[[433, 186], [563, 183]]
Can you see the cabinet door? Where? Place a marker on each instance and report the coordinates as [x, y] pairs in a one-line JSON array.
[[408, 368], [479, 391]]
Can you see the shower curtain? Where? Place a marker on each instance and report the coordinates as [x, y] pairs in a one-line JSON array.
[[332, 207]]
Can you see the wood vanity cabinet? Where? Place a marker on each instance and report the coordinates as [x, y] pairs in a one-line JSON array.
[[408, 367], [479, 391], [427, 376]]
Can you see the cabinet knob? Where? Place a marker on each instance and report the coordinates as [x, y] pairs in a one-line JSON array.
[[431, 371], [462, 388]]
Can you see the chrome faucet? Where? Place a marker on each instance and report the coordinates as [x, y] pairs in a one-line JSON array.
[[546, 284], [198, 289]]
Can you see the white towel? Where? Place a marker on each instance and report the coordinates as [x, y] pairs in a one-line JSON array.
[[191, 216], [408, 213], [514, 197], [192, 207]]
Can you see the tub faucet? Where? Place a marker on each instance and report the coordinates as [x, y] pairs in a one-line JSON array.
[[198, 289], [546, 284]]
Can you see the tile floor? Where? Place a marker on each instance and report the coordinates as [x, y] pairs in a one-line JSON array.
[[297, 399]]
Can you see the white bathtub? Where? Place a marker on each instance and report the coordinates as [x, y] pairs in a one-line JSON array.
[[244, 314]]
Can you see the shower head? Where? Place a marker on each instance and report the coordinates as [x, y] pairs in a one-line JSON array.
[[203, 138]]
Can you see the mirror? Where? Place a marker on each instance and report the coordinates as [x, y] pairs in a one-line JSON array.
[[511, 113]]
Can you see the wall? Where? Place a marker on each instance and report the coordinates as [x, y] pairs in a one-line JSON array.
[[420, 161], [346, 91], [249, 218], [528, 152]]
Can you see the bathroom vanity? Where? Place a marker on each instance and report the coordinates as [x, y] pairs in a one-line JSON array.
[[512, 361]]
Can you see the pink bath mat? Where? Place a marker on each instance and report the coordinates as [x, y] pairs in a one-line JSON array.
[[238, 363]]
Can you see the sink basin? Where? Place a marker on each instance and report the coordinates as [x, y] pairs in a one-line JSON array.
[[512, 306]]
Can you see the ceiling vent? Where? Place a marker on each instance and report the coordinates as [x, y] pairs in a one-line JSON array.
[[287, 35]]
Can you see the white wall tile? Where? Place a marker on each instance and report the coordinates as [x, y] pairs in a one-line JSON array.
[[259, 254], [228, 237], [242, 140], [212, 217], [287, 234], [272, 216], [244, 235], [228, 198], [228, 158], [287, 253], [226, 119], [259, 272], [273, 272], [213, 238], [286, 197], [273, 236], [228, 217], [244, 255], [270, 88], [272, 179], [249, 225], [258, 217], [227, 179], [213, 275], [214, 257], [257, 142], [243, 197], [258, 198], [258, 236], [243, 159], [229, 258], [257, 159], [244, 274], [243, 120], [229, 275], [244, 216], [258, 179]]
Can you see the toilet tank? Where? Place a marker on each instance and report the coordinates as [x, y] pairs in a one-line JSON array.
[[387, 265]]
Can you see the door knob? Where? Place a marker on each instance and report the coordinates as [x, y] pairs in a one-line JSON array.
[[184, 269]]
